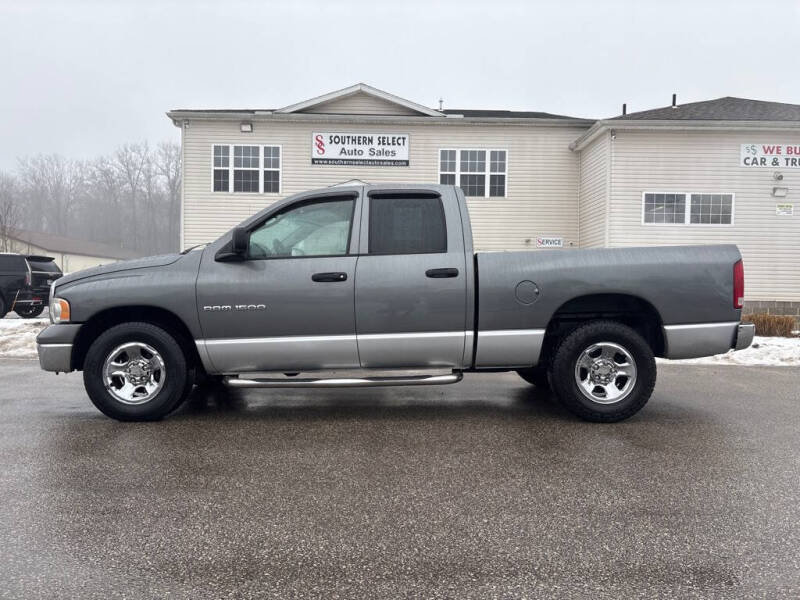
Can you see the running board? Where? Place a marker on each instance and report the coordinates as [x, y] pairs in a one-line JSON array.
[[238, 382]]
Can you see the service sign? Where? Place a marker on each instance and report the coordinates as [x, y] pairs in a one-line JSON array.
[[369, 149], [549, 242], [772, 156]]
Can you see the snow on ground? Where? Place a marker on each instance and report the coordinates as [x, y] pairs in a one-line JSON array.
[[18, 337], [18, 340], [765, 351]]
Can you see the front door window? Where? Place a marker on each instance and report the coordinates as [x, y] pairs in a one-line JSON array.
[[318, 228]]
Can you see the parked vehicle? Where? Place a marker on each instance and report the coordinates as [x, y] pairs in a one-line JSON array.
[[381, 277], [15, 274], [25, 283], [32, 298]]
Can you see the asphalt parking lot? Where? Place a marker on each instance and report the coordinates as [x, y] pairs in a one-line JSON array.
[[479, 490]]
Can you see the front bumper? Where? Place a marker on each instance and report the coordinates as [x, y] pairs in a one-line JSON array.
[[744, 336], [55, 357], [54, 345]]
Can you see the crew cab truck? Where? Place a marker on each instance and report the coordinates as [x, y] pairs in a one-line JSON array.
[[378, 278]]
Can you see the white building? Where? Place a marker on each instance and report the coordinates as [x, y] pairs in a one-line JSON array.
[[722, 171], [69, 254]]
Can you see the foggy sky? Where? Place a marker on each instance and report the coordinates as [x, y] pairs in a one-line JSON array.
[[80, 78]]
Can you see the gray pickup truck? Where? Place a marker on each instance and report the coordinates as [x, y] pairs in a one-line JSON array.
[[380, 278]]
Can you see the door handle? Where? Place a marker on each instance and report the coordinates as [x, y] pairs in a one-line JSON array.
[[440, 273], [329, 277]]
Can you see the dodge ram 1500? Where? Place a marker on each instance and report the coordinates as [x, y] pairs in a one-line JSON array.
[[380, 278]]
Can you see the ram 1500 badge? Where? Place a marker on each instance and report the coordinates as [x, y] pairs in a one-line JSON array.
[[382, 277]]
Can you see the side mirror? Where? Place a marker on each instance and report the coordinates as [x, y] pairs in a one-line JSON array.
[[239, 241], [236, 249]]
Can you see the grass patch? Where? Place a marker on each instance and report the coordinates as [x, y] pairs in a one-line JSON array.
[[771, 325]]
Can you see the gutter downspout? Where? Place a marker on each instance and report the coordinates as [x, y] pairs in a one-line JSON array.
[[609, 166], [181, 235]]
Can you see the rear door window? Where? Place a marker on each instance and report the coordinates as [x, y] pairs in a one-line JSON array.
[[12, 263], [407, 225]]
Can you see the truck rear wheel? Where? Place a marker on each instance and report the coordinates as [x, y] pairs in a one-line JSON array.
[[603, 371], [136, 372]]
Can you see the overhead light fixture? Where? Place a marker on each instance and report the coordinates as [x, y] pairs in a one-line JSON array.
[[246, 127]]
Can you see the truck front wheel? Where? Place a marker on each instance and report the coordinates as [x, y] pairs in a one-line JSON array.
[[136, 372], [603, 371]]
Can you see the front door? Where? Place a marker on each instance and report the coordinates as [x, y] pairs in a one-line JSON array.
[[289, 305], [411, 282]]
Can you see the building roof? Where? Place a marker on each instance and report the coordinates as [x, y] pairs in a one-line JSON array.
[[359, 88], [505, 114], [721, 109], [363, 88], [66, 245]]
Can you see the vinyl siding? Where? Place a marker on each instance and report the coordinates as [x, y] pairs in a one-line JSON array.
[[361, 104], [542, 179], [709, 162], [594, 169]]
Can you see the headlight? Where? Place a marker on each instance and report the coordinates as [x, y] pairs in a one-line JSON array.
[[59, 310]]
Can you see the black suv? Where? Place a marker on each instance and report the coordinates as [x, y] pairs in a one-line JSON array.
[[25, 283]]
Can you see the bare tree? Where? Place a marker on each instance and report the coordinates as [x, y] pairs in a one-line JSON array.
[[103, 206], [130, 199], [168, 161], [130, 160], [52, 184], [10, 210]]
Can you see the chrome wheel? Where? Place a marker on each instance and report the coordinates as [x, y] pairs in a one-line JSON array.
[[605, 373], [134, 373]]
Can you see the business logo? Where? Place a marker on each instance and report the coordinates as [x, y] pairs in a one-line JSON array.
[[360, 148], [770, 156], [319, 142]]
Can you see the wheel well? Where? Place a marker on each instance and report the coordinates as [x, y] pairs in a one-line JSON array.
[[629, 310], [126, 314]]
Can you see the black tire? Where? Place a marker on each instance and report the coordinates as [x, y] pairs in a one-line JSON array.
[[535, 376], [3, 309], [177, 381], [29, 312], [565, 381]]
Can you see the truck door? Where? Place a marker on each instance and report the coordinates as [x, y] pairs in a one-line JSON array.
[[289, 305], [411, 281]]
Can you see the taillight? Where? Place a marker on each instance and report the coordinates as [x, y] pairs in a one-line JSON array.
[[738, 285]]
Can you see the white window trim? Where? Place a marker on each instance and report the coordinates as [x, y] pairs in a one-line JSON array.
[[687, 217], [487, 173], [261, 169]]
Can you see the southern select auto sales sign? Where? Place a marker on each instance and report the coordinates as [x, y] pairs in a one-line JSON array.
[[369, 149], [773, 156]]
